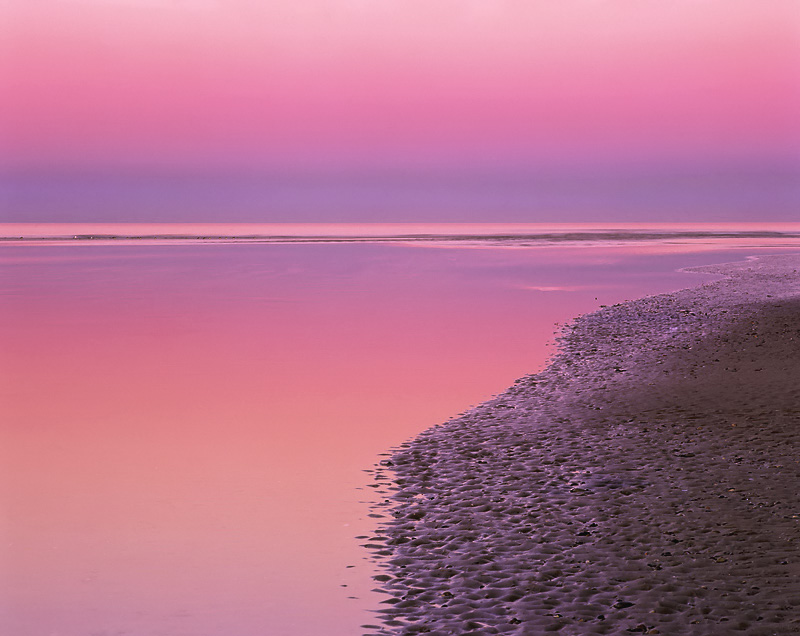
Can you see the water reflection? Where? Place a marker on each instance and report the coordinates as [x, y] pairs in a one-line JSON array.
[[185, 427]]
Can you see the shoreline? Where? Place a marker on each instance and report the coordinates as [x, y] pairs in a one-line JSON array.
[[774, 235], [644, 482]]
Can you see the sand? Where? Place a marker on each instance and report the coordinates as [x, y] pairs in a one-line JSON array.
[[645, 482]]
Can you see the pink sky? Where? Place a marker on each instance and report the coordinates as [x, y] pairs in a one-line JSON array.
[[206, 83]]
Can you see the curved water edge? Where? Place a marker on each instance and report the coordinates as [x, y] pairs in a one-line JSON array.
[[644, 482]]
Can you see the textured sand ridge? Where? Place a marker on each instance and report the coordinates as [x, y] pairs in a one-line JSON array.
[[645, 482]]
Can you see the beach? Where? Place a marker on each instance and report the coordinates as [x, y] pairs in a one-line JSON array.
[[644, 482], [197, 465]]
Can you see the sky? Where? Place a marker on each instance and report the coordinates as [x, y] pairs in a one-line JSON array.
[[351, 107]]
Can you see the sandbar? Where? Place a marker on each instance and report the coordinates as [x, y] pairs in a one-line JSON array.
[[647, 481]]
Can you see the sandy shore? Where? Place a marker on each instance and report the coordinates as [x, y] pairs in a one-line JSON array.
[[646, 482]]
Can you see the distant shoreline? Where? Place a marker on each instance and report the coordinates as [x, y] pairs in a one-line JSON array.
[[644, 482], [530, 235]]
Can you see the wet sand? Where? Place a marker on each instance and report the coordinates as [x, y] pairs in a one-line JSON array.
[[645, 482]]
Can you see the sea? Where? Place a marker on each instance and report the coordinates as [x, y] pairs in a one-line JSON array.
[[190, 412]]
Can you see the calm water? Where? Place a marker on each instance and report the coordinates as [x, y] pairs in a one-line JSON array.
[[185, 426]]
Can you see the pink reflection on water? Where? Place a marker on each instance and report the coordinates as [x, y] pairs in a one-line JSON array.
[[184, 429]]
